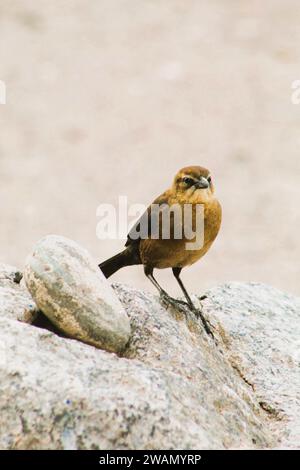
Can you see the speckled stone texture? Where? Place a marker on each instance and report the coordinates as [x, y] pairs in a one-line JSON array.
[[173, 387], [260, 327], [15, 300]]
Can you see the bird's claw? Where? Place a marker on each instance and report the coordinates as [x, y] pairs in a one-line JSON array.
[[205, 323], [198, 313], [178, 304], [203, 297], [183, 306]]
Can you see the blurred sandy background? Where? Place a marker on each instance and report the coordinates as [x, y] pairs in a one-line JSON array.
[[112, 97]]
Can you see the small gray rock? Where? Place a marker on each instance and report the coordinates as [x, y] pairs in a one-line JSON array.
[[71, 291]]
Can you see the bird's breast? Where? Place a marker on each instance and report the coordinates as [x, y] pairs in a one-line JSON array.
[[178, 252]]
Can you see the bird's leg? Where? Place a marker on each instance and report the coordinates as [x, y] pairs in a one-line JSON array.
[[198, 312], [163, 294], [149, 273], [176, 272]]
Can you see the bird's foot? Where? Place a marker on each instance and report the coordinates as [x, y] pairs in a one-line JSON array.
[[205, 323], [198, 312], [183, 306], [167, 300]]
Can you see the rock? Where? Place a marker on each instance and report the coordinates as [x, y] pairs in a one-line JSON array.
[[174, 387], [15, 300], [260, 327], [71, 291]]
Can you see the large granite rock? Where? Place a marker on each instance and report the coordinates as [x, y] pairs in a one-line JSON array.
[[72, 292], [174, 387]]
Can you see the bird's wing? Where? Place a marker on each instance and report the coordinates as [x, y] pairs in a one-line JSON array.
[[145, 221]]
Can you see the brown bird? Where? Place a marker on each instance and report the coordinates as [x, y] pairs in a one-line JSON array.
[[192, 187]]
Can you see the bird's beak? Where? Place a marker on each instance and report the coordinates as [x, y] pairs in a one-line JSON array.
[[202, 183]]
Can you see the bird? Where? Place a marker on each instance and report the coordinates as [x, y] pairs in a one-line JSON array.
[[192, 187]]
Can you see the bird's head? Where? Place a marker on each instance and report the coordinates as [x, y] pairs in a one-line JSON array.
[[194, 180]]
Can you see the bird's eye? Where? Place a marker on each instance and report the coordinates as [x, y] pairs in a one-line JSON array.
[[209, 179], [188, 181]]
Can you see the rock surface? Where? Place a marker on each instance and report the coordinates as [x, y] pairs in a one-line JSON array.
[[71, 291], [174, 388], [15, 301], [261, 328]]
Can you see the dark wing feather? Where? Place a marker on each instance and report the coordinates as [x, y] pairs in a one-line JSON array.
[[146, 219]]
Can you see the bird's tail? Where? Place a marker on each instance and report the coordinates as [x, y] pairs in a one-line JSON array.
[[113, 264]]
